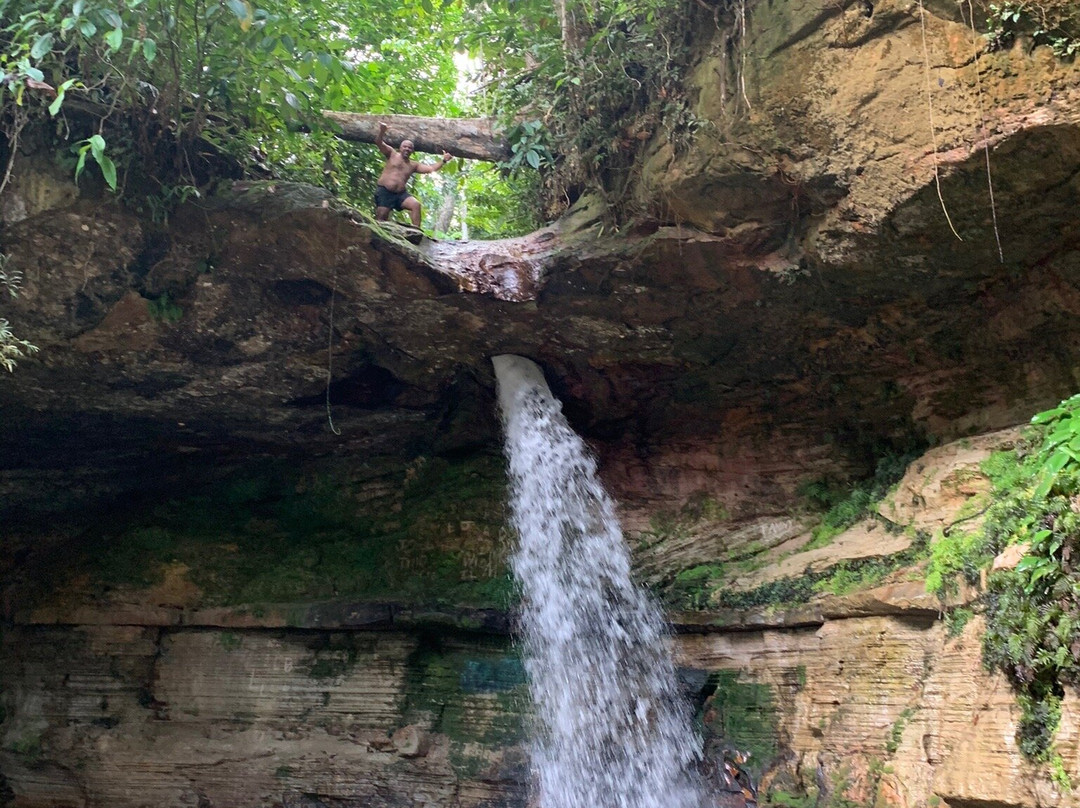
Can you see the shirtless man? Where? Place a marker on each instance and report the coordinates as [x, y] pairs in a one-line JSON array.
[[391, 193]]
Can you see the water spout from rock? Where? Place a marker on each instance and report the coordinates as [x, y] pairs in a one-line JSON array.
[[613, 731]]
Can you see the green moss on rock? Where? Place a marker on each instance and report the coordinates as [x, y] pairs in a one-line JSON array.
[[431, 533], [744, 716]]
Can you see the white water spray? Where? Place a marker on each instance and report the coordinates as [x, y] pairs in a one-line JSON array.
[[613, 732]]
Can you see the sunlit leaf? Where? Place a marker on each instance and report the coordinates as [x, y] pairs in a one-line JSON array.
[[1047, 416], [114, 38], [108, 170], [81, 164]]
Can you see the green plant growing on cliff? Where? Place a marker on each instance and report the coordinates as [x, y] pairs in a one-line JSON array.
[[1055, 23], [12, 348], [896, 734], [29, 748], [845, 508], [956, 620], [164, 309], [1033, 609], [840, 579], [692, 587]]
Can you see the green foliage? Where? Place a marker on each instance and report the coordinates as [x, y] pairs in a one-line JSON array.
[[277, 537], [1033, 610], [692, 587], [600, 79], [12, 348], [858, 503], [896, 734], [29, 748], [1061, 446], [174, 93], [743, 715], [840, 579], [95, 146], [956, 553], [499, 205], [164, 309], [1055, 23], [847, 577], [528, 147], [956, 619], [784, 799]]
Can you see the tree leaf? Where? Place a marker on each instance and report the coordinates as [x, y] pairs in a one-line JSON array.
[[87, 28], [1043, 488], [54, 107], [241, 9], [1047, 415], [149, 49], [81, 164], [42, 46], [532, 157], [108, 170], [114, 38], [97, 146], [112, 18]]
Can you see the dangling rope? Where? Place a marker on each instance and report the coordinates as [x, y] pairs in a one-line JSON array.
[[982, 124], [930, 110]]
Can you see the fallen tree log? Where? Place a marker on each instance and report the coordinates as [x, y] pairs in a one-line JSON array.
[[473, 138]]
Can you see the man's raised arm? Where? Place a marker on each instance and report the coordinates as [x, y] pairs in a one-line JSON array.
[[382, 144]]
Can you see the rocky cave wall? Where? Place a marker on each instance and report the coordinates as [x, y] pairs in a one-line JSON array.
[[219, 590]]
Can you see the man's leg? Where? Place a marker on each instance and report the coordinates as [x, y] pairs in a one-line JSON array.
[[412, 204], [382, 214]]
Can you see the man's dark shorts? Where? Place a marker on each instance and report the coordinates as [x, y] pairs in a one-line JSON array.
[[385, 198]]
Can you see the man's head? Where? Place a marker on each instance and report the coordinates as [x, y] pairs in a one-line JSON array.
[[407, 148]]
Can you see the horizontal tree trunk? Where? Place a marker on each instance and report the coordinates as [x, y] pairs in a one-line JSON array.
[[462, 137]]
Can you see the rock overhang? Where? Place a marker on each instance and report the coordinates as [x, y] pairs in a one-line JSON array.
[[822, 300]]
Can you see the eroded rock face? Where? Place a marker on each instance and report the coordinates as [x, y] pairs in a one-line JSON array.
[[141, 716]]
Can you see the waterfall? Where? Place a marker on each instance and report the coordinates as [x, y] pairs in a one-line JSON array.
[[613, 731]]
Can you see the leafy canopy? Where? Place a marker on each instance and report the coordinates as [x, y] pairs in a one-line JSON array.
[[153, 96], [159, 95]]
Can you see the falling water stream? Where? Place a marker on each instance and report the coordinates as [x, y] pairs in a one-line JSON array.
[[613, 731]]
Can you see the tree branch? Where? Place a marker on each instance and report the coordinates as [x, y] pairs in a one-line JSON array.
[[473, 138]]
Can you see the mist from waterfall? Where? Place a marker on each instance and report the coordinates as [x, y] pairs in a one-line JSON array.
[[612, 730]]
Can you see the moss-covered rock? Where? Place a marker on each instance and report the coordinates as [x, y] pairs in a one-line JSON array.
[[430, 533]]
